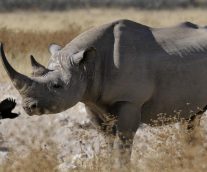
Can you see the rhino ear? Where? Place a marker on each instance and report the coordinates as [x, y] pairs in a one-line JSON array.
[[37, 68], [54, 48], [84, 55]]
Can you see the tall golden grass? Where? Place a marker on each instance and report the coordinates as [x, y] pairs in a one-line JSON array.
[[90, 17], [37, 160], [24, 42]]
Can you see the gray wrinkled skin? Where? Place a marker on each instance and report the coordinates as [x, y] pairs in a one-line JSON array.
[[124, 70]]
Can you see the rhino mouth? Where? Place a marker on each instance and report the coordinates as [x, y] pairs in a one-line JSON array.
[[36, 111], [27, 110]]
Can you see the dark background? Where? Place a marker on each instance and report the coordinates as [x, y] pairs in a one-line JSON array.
[[10, 5]]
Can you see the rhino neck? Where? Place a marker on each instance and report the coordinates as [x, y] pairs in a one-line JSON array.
[[93, 75]]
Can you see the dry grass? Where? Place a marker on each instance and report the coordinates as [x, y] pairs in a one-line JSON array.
[[26, 42], [54, 21], [37, 160], [174, 149], [170, 148]]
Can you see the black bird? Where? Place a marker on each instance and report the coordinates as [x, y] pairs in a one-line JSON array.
[[6, 107]]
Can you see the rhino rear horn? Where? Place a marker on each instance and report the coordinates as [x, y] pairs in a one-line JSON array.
[[37, 68], [20, 81]]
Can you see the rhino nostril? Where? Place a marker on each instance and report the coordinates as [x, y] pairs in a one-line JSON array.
[[33, 106], [27, 109]]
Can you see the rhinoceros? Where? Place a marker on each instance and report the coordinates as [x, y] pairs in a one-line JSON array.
[[122, 70]]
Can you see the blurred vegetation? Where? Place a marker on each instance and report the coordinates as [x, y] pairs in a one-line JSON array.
[[9, 5], [24, 41]]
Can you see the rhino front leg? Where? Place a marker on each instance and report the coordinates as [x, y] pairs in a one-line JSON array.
[[129, 117], [108, 130]]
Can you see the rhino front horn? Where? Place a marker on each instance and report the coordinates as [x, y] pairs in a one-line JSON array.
[[20, 81]]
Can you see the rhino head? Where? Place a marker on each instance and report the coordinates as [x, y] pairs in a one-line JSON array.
[[51, 90]]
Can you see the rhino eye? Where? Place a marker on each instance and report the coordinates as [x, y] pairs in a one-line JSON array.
[[57, 86]]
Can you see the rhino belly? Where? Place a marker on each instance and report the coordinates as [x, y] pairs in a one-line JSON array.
[[173, 104]]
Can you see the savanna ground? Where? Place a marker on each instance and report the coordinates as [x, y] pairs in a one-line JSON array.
[[67, 141]]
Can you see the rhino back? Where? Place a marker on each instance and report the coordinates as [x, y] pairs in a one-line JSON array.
[[182, 40]]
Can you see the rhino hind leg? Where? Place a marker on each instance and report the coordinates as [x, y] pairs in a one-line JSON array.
[[192, 124], [128, 121], [194, 119]]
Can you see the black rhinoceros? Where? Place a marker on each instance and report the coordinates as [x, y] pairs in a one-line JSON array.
[[124, 70]]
